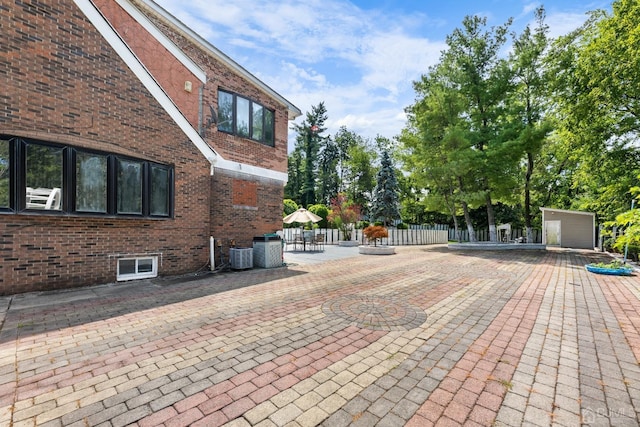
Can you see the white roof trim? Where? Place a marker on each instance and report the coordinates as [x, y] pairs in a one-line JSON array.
[[293, 110], [164, 40], [121, 48], [567, 211], [251, 170]]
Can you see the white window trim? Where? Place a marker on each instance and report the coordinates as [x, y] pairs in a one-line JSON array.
[[137, 275]]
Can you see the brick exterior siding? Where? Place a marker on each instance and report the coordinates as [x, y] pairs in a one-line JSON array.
[[62, 82], [243, 220]]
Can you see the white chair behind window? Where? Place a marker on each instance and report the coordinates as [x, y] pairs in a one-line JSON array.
[[44, 198], [54, 201]]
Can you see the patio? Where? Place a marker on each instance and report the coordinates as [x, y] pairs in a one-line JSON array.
[[435, 336]]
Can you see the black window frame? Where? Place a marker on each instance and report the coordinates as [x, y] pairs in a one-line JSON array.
[[265, 133], [18, 189]]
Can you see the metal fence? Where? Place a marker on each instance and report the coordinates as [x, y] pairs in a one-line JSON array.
[[415, 235], [483, 235], [396, 237]]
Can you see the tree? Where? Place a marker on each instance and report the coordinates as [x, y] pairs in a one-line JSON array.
[[343, 214], [293, 188], [375, 233], [436, 150], [596, 91], [345, 140], [528, 104], [483, 78], [385, 203], [308, 143], [328, 178], [360, 175]]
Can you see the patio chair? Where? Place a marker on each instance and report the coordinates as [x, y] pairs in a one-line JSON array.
[[318, 241], [297, 239]]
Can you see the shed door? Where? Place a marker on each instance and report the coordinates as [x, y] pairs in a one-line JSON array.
[[552, 232]]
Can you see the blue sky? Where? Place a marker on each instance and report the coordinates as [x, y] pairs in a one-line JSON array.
[[358, 57]]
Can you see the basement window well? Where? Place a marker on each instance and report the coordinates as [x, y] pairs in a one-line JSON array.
[[137, 268]]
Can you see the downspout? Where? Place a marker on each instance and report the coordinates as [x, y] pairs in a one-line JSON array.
[[212, 254]]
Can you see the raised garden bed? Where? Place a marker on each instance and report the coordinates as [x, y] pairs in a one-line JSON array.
[[613, 269], [376, 250]]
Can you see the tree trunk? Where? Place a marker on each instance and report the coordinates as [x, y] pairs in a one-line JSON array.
[[467, 219], [467, 216], [491, 219], [456, 229], [527, 198], [452, 210]]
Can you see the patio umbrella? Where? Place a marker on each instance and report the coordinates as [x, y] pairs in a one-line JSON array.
[[301, 215]]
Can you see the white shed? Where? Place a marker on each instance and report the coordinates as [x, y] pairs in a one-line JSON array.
[[568, 229]]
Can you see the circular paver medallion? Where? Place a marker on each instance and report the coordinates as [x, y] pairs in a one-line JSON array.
[[375, 312]]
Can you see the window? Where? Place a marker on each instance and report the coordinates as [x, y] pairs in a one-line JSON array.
[[225, 112], [40, 177], [91, 182], [241, 116], [258, 123], [137, 268], [5, 161], [268, 127], [160, 182], [43, 177], [129, 187]]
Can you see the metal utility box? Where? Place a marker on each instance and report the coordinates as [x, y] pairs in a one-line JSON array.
[[241, 258], [267, 251]]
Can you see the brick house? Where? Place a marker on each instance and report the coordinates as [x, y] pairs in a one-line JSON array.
[[127, 141]]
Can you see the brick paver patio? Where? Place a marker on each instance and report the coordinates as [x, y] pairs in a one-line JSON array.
[[425, 337]]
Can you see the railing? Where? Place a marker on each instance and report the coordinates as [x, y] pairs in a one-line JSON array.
[[482, 235], [396, 237]]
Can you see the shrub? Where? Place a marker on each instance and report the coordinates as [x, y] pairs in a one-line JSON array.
[[322, 211], [375, 232]]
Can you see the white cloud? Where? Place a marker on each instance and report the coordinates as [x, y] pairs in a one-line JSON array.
[[563, 23]]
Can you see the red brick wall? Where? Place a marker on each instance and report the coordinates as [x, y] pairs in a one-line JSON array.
[[244, 221], [62, 82], [166, 68]]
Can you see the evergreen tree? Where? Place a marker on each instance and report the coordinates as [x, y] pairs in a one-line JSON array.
[[385, 203], [308, 144], [293, 188], [328, 179]]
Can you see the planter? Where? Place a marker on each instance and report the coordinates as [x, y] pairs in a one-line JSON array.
[[376, 250], [348, 243], [620, 271]]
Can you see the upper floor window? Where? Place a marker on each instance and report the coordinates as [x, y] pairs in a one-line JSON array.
[[243, 117], [38, 176]]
